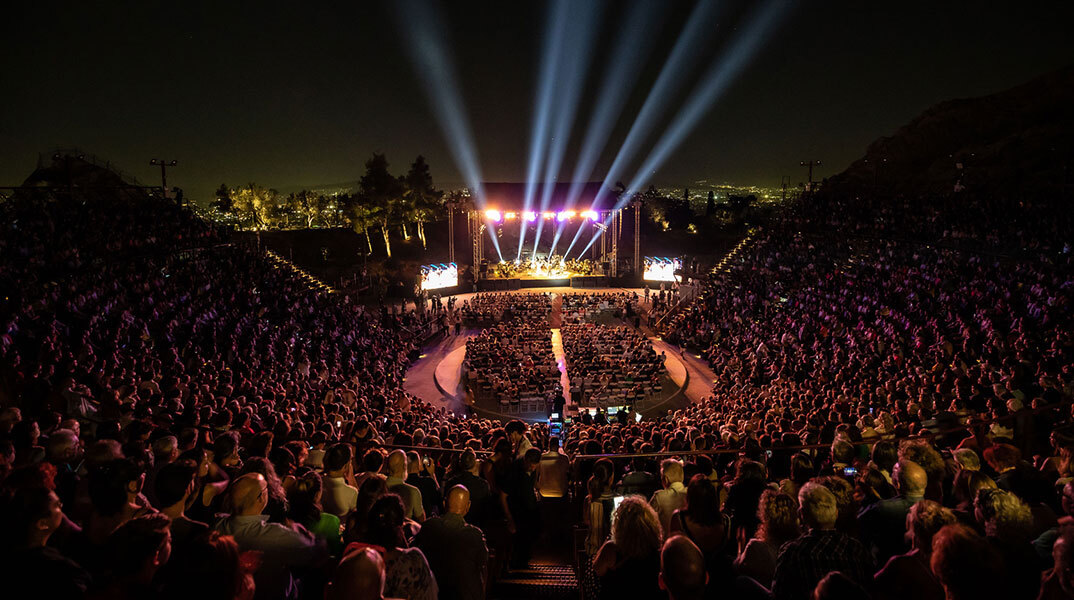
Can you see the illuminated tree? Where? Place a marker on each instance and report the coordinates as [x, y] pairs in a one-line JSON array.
[[423, 201], [362, 215], [255, 205], [310, 206], [222, 202], [383, 192]]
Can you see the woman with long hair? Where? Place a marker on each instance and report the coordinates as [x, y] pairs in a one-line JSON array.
[[629, 564], [305, 500], [408, 573], [778, 514]]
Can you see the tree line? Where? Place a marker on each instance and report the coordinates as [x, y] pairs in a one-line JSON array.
[[382, 203]]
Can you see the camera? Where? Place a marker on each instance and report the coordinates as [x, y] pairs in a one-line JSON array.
[[850, 472]]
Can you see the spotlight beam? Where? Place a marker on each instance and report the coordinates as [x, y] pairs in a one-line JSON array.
[[419, 23], [682, 58], [741, 50], [582, 30], [551, 54], [634, 44]]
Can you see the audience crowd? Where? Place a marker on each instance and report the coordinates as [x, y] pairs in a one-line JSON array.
[[180, 417]]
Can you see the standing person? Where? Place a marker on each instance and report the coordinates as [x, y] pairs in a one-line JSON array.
[[516, 432], [476, 487], [673, 496], [456, 550], [522, 500], [552, 472]]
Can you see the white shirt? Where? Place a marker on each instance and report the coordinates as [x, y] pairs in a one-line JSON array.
[[338, 498], [667, 501]]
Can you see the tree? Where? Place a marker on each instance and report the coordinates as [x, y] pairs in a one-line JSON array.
[[256, 205], [362, 215], [223, 202], [310, 206], [710, 206], [422, 199], [383, 192]]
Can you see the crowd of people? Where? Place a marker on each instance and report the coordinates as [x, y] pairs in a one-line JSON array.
[[512, 361], [181, 417], [587, 307], [494, 307], [611, 365]]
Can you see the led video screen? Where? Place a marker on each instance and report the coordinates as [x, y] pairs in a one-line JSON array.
[[434, 277], [661, 269]]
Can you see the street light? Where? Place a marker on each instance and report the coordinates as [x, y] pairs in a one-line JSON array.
[[164, 164]]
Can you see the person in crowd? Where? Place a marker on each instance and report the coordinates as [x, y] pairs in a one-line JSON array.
[[284, 549], [778, 514], [673, 495], [422, 475], [305, 508], [552, 472], [407, 571], [137, 550], [213, 568], [1008, 526], [339, 496], [682, 569], [910, 575], [883, 524], [456, 550], [30, 516], [396, 481], [803, 562], [467, 476], [628, 564], [175, 482], [522, 500], [361, 574], [967, 566], [701, 520]]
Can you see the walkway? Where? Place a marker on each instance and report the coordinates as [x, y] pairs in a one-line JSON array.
[[701, 376]]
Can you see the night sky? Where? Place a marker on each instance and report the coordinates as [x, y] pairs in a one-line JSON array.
[[300, 94]]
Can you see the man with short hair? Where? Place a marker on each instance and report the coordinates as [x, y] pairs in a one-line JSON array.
[[883, 524], [282, 548], [456, 551], [477, 487], [397, 473], [552, 472], [421, 473], [361, 574], [174, 485], [673, 496], [803, 562], [339, 497], [682, 569]]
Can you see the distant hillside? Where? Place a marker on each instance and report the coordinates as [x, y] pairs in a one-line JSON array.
[[1019, 140]]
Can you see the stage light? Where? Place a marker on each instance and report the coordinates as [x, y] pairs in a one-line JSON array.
[[549, 215], [590, 215], [493, 215], [565, 215], [529, 215], [510, 216]]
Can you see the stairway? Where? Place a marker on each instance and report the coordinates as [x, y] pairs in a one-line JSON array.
[[537, 581], [314, 284], [723, 265]]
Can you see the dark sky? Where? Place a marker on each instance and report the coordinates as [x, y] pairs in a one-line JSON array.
[[301, 93]]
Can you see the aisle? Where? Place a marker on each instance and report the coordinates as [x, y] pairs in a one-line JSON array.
[[561, 363]]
